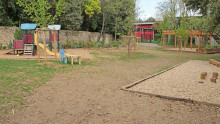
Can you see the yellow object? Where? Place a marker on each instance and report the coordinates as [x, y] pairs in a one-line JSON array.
[[17, 55], [48, 51]]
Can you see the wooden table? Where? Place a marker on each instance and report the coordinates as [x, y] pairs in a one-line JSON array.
[[78, 57]]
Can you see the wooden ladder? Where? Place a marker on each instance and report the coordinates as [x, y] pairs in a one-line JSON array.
[[28, 48]]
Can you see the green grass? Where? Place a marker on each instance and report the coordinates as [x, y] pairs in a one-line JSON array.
[[123, 56], [21, 77]]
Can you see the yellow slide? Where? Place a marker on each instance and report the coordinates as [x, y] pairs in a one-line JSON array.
[[48, 51]]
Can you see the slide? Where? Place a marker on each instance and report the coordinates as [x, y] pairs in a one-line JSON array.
[[48, 51]]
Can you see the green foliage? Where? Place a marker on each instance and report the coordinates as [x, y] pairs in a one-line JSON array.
[[72, 18], [9, 45], [150, 19], [39, 11], [92, 7], [209, 9], [182, 32], [17, 34]]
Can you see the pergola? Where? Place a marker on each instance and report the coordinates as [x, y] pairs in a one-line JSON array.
[[192, 33]]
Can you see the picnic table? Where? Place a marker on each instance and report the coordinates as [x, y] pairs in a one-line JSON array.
[[71, 58]]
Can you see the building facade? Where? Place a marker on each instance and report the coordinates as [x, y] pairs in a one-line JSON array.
[[144, 31]]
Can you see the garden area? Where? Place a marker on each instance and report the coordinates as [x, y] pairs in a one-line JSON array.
[[87, 61]]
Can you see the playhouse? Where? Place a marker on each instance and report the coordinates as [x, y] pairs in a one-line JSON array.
[[31, 36], [144, 31]]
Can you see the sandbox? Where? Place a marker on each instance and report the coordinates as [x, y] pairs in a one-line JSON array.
[[182, 82]]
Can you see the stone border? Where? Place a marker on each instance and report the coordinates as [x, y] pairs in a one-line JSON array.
[[126, 88]]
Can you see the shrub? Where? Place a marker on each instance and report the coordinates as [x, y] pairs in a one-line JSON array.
[[17, 34], [10, 45], [67, 45]]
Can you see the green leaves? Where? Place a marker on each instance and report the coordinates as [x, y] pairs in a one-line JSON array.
[[92, 6], [182, 31], [39, 11]]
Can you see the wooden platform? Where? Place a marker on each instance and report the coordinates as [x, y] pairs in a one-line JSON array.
[[195, 50]]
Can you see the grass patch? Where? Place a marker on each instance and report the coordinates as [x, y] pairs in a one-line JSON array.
[[19, 78], [123, 55]]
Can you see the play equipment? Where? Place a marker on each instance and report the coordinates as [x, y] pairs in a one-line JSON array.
[[72, 57], [63, 58], [27, 43], [32, 37], [47, 41], [47, 38]]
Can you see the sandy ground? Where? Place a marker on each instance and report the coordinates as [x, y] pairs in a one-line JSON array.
[[92, 94], [84, 53], [183, 82]]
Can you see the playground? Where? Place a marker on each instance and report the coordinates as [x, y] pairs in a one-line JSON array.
[[92, 91]]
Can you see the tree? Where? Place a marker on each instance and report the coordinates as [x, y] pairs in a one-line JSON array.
[[12, 13], [150, 19], [182, 31], [209, 9], [72, 17], [40, 10]]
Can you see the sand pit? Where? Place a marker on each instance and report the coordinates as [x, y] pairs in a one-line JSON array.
[[182, 83]]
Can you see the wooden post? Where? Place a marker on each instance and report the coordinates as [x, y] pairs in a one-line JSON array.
[[199, 44], [210, 41], [185, 43], [38, 47], [203, 75], [134, 45], [45, 52], [55, 44], [191, 38], [175, 41], [164, 41]]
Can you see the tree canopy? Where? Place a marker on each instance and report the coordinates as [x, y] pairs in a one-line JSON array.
[[106, 16]]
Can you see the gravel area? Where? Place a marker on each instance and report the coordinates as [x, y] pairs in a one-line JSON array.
[[183, 82]]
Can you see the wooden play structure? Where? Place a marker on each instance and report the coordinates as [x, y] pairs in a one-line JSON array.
[[192, 33], [47, 38], [31, 36]]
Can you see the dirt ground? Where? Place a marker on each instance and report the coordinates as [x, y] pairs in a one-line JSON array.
[[92, 94], [83, 52], [183, 82]]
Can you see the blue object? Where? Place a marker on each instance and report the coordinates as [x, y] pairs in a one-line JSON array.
[[28, 26], [63, 58], [56, 27]]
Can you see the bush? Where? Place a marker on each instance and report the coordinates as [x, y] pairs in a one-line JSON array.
[[17, 34], [67, 45], [1, 47], [10, 45]]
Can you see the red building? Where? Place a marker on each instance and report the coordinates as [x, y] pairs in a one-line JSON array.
[[144, 31]]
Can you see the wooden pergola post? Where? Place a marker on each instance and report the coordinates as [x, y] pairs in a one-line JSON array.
[[175, 41], [38, 47], [210, 39], [55, 44], [44, 41], [164, 41], [191, 37], [199, 43]]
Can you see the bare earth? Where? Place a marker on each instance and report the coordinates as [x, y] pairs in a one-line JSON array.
[[183, 82], [92, 94], [84, 53]]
